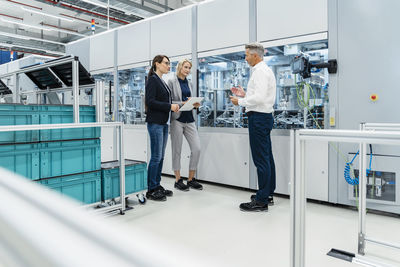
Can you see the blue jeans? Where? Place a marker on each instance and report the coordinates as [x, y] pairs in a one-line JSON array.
[[158, 141], [260, 126]]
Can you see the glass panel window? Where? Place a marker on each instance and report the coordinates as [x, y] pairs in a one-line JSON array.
[[301, 96], [132, 87], [108, 78]]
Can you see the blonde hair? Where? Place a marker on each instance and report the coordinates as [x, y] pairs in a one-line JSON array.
[[180, 65]]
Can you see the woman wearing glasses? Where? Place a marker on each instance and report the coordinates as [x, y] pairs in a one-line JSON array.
[[182, 124], [158, 110]]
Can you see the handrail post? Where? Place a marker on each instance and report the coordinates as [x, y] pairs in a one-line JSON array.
[[362, 199], [122, 166], [298, 201]]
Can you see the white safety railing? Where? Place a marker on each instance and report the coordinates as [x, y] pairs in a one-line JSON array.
[[298, 198], [40, 228], [121, 158], [362, 236]]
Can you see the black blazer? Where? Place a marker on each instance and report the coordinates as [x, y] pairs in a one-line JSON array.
[[158, 100]]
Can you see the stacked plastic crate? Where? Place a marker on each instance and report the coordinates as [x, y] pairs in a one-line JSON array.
[[66, 160], [135, 179]]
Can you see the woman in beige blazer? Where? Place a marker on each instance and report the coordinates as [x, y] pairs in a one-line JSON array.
[[183, 124]]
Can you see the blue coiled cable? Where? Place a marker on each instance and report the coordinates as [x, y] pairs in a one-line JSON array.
[[347, 167]]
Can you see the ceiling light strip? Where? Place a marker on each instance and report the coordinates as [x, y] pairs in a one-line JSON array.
[[26, 25], [32, 48], [29, 38], [42, 28], [35, 53]]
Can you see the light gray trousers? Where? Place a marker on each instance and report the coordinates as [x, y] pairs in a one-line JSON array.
[[178, 130]]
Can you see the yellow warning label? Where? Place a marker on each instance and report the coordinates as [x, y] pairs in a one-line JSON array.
[[332, 121]]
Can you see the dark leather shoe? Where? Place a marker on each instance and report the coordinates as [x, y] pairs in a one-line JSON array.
[[270, 200], [194, 184], [166, 192], [253, 206], [156, 195], [181, 185]]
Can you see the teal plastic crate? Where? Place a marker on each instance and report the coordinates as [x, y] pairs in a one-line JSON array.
[[84, 187], [17, 114], [23, 159], [56, 114], [135, 178], [69, 157]]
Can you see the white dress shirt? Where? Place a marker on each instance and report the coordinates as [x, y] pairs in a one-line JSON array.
[[261, 90]]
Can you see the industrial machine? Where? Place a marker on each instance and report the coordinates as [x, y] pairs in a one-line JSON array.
[[108, 79], [300, 101]]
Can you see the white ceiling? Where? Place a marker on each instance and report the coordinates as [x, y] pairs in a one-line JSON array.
[[44, 26]]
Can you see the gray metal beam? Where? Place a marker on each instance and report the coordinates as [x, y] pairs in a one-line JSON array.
[[165, 7], [145, 8]]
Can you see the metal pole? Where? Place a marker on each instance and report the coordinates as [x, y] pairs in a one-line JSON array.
[[305, 112], [122, 166], [253, 21], [99, 100], [75, 86], [116, 90], [362, 196], [382, 243], [299, 204], [108, 14], [17, 98], [293, 170]]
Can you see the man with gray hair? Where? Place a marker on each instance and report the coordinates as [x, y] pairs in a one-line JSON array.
[[259, 101]]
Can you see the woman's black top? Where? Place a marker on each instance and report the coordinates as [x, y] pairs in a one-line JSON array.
[[186, 116], [158, 100]]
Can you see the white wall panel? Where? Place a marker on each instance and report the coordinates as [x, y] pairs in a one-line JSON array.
[[185, 158], [134, 43], [3, 69], [171, 34], [224, 158], [316, 169], [135, 143], [102, 51], [281, 152], [80, 49], [223, 23], [287, 18], [107, 145]]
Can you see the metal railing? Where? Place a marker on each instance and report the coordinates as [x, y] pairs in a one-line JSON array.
[[75, 79], [120, 128], [39, 228], [298, 198], [362, 237]]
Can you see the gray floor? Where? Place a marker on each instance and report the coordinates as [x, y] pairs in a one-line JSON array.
[[209, 224]]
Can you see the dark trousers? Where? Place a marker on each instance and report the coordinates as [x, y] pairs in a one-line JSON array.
[[158, 142], [260, 126]]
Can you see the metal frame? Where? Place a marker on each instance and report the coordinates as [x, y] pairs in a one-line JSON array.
[[298, 199], [75, 79], [362, 237], [120, 128]]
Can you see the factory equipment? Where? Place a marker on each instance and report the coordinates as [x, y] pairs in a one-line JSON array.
[[51, 81], [108, 79], [217, 75], [5, 93], [301, 102], [131, 92]]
